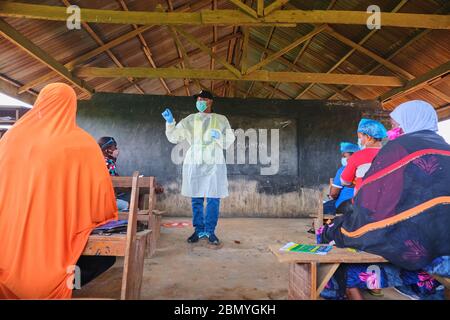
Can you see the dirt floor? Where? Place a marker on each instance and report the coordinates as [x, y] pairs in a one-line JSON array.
[[242, 268]]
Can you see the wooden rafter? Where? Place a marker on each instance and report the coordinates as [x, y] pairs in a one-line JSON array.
[[261, 57], [274, 6], [9, 87], [259, 75], [28, 46], [353, 50], [85, 57], [285, 50], [439, 72], [391, 66], [260, 8], [245, 8], [207, 50], [230, 54], [81, 59], [225, 17], [295, 67], [100, 42], [244, 59], [419, 34], [213, 48], [145, 48], [304, 47], [180, 50]]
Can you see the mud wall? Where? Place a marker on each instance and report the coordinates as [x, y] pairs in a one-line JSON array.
[[309, 134]]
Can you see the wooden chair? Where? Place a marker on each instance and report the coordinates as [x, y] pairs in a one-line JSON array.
[[149, 215], [319, 217], [310, 273], [131, 246]]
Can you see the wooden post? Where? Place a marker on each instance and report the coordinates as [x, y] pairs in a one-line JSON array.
[[131, 267]]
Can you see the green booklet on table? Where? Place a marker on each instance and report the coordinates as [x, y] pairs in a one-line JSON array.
[[306, 248]]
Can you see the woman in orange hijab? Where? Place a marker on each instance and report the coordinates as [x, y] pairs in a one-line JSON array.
[[54, 191]]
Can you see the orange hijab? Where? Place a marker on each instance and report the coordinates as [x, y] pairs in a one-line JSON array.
[[54, 190]]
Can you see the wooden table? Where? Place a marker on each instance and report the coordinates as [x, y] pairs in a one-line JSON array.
[[310, 273]]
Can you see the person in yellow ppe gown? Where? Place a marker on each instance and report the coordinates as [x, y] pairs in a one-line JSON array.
[[204, 167]]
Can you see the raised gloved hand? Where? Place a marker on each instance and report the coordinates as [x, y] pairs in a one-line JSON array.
[[215, 134], [167, 115]]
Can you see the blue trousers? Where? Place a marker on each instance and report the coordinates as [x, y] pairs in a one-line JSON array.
[[208, 222]]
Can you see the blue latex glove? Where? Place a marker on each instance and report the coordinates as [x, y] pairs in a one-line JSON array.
[[215, 134], [167, 115]]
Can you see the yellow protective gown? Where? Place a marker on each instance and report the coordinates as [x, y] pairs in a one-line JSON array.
[[204, 167], [54, 190]]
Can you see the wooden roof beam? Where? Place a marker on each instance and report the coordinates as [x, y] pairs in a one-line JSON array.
[[180, 50], [286, 49], [212, 64], [296, 67], [36, 52], [225, 17], [85, 57], [353, 50], [419, 34], [261, 57], [274, 6], [260, 8], [439, 72], [259, 75], [100, 42], [9, 87], [391, 66], [304, 47], [145, 48], [245, 8], [207, 50]]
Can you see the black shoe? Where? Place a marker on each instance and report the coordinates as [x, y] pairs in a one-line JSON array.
[[212, 239], [193, 238]]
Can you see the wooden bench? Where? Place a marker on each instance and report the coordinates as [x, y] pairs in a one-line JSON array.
[[131, 246], [310, 273], [149, 215]]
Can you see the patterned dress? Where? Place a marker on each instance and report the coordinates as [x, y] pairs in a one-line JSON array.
[[364, 276], [111, 165]]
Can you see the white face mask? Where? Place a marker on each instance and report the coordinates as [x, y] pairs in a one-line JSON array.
[[344, 161], [361, 146], [115, 153]]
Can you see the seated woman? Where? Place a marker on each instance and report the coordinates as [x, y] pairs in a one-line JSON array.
[[370, 134], [341, 195], [400, 212], [110, 151], [54, 191], [108, 145]]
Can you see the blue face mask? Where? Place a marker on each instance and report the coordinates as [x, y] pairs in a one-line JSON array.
[[344, 161], [201, 105]]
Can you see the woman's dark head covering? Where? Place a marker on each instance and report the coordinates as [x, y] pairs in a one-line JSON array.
[[106, 142]]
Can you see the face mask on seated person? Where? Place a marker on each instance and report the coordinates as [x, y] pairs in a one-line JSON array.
[[394, 133], [115, 154], [344, 161], [360, 144], [201, 105]]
